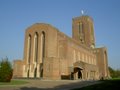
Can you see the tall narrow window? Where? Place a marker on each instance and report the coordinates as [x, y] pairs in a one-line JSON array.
[[28, 49], [80, 27], [83, 57], [35, 57], [81, 33], [74, 56], [95, 61], [89, 60], [42, 53], [92, 33], [79, 56], [105, 63], [43, 45]]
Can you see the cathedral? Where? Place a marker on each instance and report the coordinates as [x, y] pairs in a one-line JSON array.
[[50, 54]]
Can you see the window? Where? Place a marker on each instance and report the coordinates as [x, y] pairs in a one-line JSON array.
[[81, 32], [35, 49], [42, 46], [92, 33], [83, 57], [74, 57], [80, 28], [28, 49], [86, 58], [79, 56], [42, 53]]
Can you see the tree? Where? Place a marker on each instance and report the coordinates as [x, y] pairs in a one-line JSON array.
[[6, 71], [117, 73], [114, 73]]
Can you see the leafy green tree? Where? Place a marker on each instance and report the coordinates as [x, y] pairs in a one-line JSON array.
[[114, 73], [117, 73], [6, 71]]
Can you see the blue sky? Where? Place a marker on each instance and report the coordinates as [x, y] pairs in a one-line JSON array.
[[17, 15]]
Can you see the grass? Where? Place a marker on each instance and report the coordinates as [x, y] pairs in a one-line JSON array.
[[13, 82], [113, 84]]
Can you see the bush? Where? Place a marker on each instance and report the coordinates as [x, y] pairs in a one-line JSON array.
[[6, 71]]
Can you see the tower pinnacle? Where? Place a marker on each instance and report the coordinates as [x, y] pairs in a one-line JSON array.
[[82, 12]]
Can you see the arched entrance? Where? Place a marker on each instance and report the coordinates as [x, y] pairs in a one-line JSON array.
[[28, 74], [41, 70], [77, 73], [78, 70], [41, 74], [35, 73]]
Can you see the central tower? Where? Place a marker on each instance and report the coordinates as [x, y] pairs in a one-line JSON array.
[[83, 30]]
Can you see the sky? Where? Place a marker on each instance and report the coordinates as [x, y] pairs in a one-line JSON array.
[[17, 15]]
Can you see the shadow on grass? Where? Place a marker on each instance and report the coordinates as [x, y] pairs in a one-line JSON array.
[[63, 86], [106, 85], [93, 85], [34, 88]]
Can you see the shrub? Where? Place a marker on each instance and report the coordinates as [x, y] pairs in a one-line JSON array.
[[6, 71]]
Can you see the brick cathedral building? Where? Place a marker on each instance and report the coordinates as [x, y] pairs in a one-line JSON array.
[[50, 54]]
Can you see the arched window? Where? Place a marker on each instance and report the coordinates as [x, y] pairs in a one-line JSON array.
[[83, 57], [105, 62], [80, 28], [35, 49], [42, 46], [28, 49], [74, 56], [81, 32], [92, 33], [42, 53], [79, 56]]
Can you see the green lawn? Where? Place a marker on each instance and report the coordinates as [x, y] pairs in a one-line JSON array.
[[113, 84], [13, 82]]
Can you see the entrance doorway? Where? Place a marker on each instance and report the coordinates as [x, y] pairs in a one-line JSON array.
[[28, 74], [35, 73], [41, 74], [77, 73], [41, 70]]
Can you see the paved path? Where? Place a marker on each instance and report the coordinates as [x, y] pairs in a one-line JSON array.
[[51, 85]]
